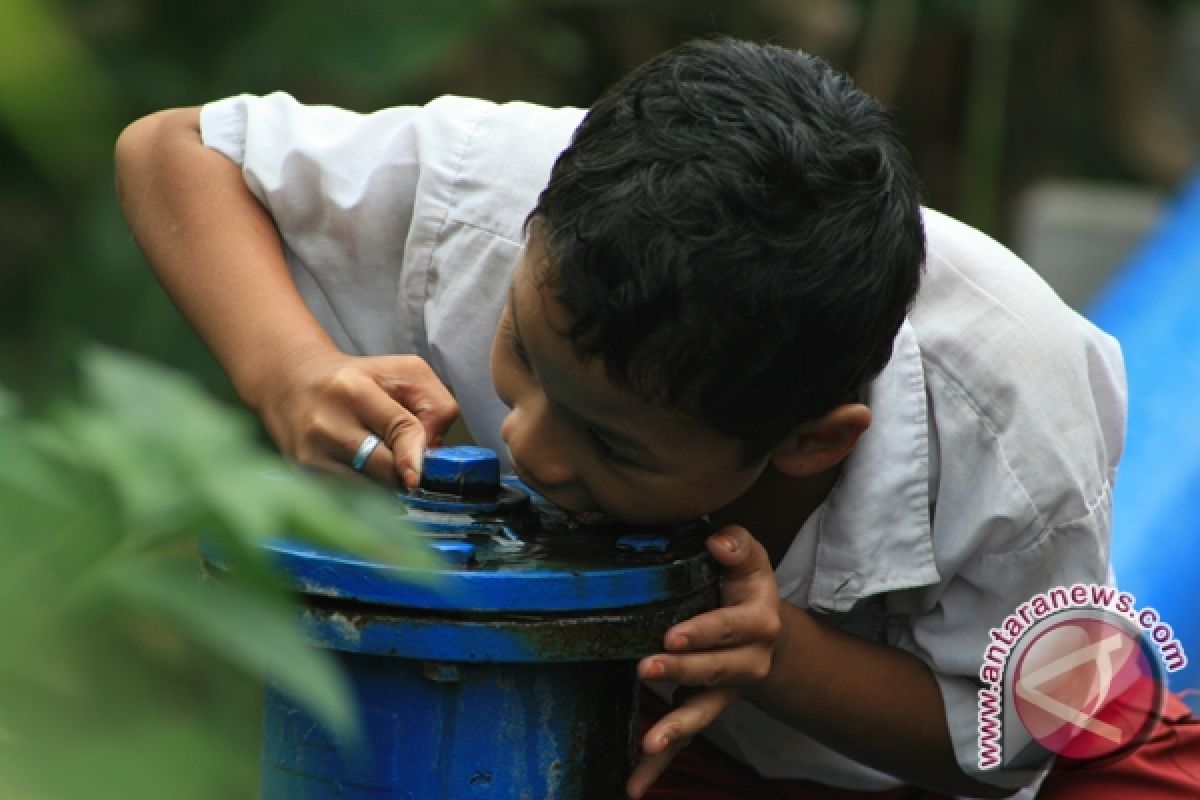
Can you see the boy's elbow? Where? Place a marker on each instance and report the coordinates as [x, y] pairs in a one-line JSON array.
[[148, 139]]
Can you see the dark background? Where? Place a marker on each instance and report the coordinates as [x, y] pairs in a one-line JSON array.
[[993, 96]]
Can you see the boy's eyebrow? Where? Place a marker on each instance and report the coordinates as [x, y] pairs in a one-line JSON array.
[[620, 439]]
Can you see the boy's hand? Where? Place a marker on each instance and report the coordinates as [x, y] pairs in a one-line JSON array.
[[321, 406], [725, 650]]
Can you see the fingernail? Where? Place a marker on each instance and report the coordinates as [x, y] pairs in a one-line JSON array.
[[411, 477], [677, 642], [656, 669], [728, 543]]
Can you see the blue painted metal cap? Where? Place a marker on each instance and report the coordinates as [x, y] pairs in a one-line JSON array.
[[463, 470], [508, 550]]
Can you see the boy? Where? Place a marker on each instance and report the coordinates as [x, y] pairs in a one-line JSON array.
[[716, 312]]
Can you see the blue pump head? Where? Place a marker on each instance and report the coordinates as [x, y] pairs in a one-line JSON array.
[[506, 549]]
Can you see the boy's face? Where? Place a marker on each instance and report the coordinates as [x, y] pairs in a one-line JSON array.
[[590, 446]]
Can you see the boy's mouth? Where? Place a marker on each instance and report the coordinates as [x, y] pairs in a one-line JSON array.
[[581, 517]]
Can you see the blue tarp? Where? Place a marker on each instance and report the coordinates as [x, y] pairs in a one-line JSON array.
[[1152, 306]]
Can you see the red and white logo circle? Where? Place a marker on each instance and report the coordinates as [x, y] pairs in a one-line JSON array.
[[1086, 687]]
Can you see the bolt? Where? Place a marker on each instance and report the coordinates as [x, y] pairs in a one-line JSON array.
[[463, 470], [441, 672], [643, 543], [455, 551]]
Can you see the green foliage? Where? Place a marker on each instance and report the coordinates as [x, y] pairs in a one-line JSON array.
[[54, 101], [115, 669], [72, 73], [368, 46]]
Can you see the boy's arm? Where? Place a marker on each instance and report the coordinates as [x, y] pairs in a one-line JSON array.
[[217, 253], [877, 704]]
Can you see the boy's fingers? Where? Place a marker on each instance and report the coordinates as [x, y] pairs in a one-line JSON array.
[[397, 398], [402, 433], [736, 665], [673, 732], [746, 623], [693, 715], [648, 770], [381, 466], [746, 572], [739, 553], [411, 382], [437, 419], [406, 438]]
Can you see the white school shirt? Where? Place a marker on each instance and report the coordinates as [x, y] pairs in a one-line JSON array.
[[984, 479]]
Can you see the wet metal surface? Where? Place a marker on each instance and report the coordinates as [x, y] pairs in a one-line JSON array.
[[529, 561], [541, 732], [598, 636]]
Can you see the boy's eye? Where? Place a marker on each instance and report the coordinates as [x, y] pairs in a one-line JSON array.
[[605, 451], [600, 445]]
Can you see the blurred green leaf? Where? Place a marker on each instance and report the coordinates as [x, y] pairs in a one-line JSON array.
[[53, 99], [178, 458], [251, 628], [367, 44], [106, 620]]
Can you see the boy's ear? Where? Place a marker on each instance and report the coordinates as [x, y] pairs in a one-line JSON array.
[[818, 445]]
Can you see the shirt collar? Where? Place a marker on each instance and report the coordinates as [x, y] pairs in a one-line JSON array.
[[873, 531]]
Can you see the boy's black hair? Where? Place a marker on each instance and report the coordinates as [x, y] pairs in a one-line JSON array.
[[735, 231]]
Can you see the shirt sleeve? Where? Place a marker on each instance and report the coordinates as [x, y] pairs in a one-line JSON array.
[[1012, 527], [401, 227], [352, 195], [990, 743]]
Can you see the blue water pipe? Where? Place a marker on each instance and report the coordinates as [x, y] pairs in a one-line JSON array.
[[511, 674]]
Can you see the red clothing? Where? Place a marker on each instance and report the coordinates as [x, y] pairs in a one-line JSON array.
[[1166, 767]]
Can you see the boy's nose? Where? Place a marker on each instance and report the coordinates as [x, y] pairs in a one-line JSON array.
[[536, 448]]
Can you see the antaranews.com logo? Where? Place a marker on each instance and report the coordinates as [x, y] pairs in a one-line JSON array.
[[1075, 672]]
